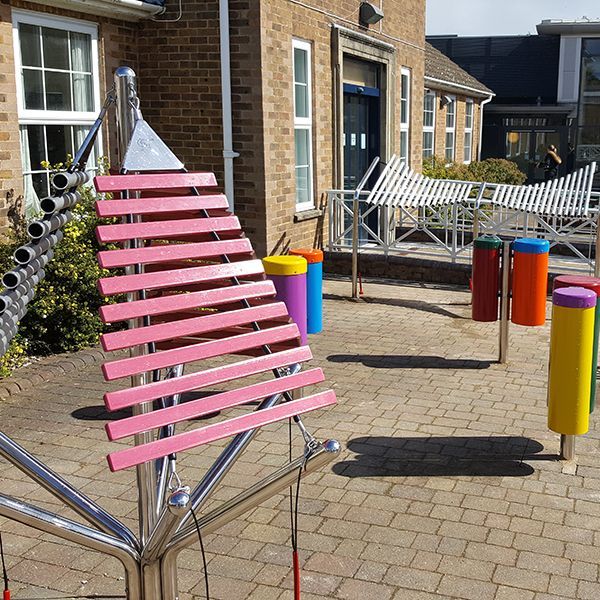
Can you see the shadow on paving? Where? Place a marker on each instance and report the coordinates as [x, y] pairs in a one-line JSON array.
[[493, 456], [404, 303], [409, 361]]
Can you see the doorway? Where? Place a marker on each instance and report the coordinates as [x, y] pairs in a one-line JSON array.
[[527, 148]]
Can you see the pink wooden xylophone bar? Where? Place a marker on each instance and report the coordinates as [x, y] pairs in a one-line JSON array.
[[206, 297]]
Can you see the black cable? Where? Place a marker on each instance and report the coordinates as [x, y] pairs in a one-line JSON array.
[[293, 533], [4, 571], [202, 551], [296, 506]]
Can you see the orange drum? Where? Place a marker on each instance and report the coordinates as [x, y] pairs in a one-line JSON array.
[[529, 281]]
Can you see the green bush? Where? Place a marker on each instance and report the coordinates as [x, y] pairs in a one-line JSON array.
[[63, 315], [490, 170]]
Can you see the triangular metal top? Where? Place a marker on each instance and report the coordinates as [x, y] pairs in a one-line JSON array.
[[147, 152]]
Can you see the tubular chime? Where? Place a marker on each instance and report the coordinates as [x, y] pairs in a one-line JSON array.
[[31, 258]]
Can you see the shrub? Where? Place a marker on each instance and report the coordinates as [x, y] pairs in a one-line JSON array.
[[490, 170]]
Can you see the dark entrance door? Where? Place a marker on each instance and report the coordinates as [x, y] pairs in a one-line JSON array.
[[361, 140]]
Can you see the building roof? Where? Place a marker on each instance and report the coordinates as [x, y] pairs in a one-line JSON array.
[[520, 69], [569, 26], [446, 73]]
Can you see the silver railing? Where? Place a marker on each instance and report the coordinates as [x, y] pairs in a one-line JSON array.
[[446, 232]]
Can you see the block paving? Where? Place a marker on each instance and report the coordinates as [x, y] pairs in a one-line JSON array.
[[448, 485]]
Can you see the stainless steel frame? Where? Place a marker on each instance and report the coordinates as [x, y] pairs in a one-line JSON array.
[[149, 557]]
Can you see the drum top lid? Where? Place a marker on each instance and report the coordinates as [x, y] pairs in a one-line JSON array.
[[312, 255], [584, 281], [574, 297], [488, 242], [531, 246], [285, 265]]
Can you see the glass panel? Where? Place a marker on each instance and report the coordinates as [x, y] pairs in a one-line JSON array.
[[468, 144], [301, 95], [29, 38], [58, 91], [40, 184], [450, 145], [302, 191], [59, 143], [83, 99], [56, 48], [450, 115], [517, 148], [404, 145], [300, 65], [427, 144], [469, 115], [302, 146], [81, 52], [37, 150], [404, 99], [361, 72], [33, 90]]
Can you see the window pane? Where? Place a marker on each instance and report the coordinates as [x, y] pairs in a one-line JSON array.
[[302, 147], [405, 92], [468, 144], [302, 190], [40, 184], [58, 91], [58, 138], [81, 52], [83, 99], [450, 115], [33, 90], [301, 92], [449, 145], [56, 48], [29, 38], [427, 144], [300, 66], [37, 152], [404, 145]]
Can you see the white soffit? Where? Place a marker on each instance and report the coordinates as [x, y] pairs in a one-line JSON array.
[[127, 10]]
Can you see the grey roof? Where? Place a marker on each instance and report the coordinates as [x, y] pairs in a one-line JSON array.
[[439, 66]]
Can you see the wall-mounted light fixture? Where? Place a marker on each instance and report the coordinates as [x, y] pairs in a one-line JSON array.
[[369, 14], [445, 100]]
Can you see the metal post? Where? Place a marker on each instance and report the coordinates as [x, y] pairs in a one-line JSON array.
[[126, 90], [454, 230], [355, 215], [476, 211], [504, 304], [567, 447], [597, 255]]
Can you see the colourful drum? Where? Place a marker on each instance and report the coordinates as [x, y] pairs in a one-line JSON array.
[[570, 368], [288, 273]]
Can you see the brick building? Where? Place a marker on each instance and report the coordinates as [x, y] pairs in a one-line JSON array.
[[316, 94]]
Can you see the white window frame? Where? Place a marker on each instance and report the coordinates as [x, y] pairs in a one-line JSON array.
[[467, 158], [429, 128], [450, 129], [49, 117], [304, 123], [405, 123]]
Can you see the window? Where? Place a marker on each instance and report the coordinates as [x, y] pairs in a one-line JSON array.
[[468, 130], [56, 63], [450, 128], [429, 124], [588, 139], [303, 125], [404, 115]]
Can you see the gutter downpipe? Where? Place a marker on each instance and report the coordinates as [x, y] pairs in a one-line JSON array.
[[228, 152], [481, 105]]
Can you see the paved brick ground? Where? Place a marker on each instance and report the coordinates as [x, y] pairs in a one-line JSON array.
[[448, 486]]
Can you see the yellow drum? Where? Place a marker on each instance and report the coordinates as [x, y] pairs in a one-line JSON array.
[[571, 353]]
